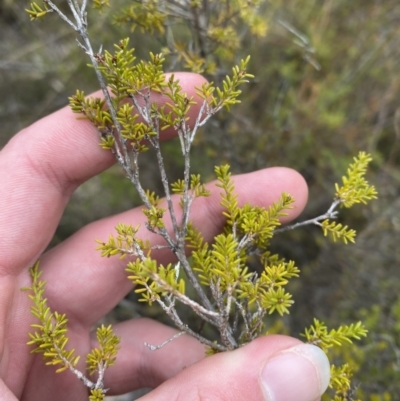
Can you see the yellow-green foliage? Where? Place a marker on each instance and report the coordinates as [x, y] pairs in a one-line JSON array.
[[196, 186], [105, 355], [96, 395], [338, 231], [223, 265], [318, 334], [50, 334], [36, 11], [355, 188], [157, 280], [213, 28], [50, 338], [128, 79], [126, 241], [224, 292], [341, 383]]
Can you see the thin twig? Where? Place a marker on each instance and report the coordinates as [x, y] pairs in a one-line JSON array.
[[60, 13], [330, 214], [156, 347], [88, 383]]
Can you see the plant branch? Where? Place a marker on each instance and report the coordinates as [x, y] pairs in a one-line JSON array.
[[88, 383], [61, 14], [330, 214], [197, 308], [156, 347]]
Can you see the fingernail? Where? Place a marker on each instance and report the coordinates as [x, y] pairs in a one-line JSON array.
[[300, 373]]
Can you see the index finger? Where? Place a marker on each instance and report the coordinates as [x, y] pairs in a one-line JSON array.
[[40, 168]]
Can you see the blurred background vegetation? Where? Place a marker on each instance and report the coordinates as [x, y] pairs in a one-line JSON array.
[[327, 86]]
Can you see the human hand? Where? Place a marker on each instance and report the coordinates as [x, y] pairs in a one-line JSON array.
[[40, 168]]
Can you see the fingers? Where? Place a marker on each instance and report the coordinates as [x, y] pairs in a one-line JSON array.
[[5, 393], [271, 368], [85, 286], [40, 167]]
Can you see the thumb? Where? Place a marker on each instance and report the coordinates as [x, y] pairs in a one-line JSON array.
[[271, 368]]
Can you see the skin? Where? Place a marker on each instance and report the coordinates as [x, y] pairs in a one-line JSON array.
[[40, 168]]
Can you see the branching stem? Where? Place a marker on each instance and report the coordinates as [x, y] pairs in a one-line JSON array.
[[330, 214], [88, 383]]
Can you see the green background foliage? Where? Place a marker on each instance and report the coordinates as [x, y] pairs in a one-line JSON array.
[[327, 86]]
